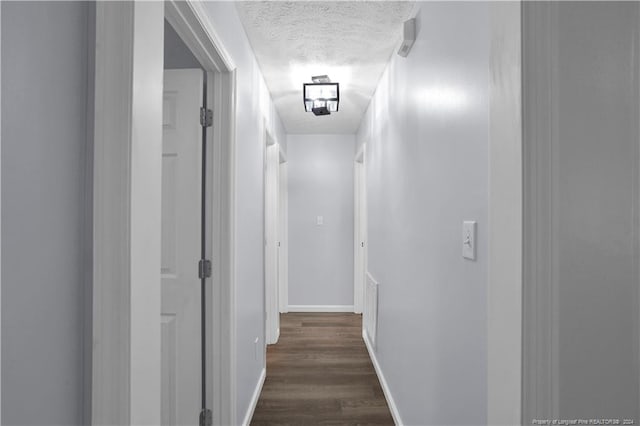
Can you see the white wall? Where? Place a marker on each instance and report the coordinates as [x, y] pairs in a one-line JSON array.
[[320, 177], [426, 131], [582, 104], [46, 181], [254, 106]]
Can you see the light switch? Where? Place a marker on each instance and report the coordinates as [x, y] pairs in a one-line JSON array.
[[320, 220], [469, 239]]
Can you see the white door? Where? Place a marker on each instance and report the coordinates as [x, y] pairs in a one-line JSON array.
[[180, 315]]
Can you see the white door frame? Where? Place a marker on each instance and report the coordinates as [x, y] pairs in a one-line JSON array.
[[271, 235], [283, 238], [127, 194], [505, 230], [126, 209], [359, 230]]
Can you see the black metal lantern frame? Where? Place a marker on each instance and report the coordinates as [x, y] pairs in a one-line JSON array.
[[321, 98]]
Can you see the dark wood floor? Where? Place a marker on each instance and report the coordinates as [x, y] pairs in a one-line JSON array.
[[319, 373]]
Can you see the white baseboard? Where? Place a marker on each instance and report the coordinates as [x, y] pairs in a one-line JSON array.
[[254, 398], [320, 308], [383, 382]]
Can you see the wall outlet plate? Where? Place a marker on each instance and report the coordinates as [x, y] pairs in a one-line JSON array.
[[469, 242]]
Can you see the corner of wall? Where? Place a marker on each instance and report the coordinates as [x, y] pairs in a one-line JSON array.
[[395, 413], [254, 398]]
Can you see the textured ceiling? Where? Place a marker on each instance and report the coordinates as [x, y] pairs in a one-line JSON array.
[[350, 41]]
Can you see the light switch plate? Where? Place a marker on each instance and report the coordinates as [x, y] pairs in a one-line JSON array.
[[469, 239], [320, 220]]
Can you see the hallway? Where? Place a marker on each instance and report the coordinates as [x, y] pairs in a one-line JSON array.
[[319, 372], [460, 177]]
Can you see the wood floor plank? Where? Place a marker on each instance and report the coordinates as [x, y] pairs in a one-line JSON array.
[[320, 373]]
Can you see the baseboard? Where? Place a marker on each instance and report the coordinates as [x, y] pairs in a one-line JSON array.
[[383, 382], [254, 398], [320, 308]]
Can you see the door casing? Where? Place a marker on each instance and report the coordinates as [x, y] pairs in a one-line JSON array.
[[505, 227]]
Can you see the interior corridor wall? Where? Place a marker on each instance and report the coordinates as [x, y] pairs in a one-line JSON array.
[[320, 178], [426, 133], [254, 111], [46, 211]]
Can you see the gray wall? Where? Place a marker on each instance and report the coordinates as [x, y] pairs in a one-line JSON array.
[[45, 206], [176, 54], [426, 131], [320, 180], [581, 133]]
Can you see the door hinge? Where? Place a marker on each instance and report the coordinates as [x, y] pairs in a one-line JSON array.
[[206, 117], [204, 268], [206, 419]]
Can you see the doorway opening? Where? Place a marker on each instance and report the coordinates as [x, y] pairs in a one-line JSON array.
[[129, 184], [216, 244], [185, 222], [359, 230], [283, 237], [275, 238]]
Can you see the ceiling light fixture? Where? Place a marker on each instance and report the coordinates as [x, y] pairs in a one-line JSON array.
[[321, 97]]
